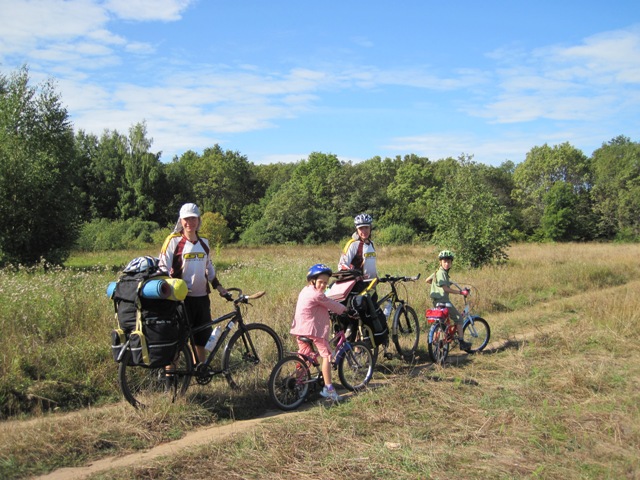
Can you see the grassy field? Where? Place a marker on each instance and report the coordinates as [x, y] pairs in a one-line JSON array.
[[557, 394]]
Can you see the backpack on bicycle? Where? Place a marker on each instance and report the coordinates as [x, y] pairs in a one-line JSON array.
[[151, 325], [373, 317]]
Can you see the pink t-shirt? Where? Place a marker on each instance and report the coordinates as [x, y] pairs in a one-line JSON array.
[[312, 313]]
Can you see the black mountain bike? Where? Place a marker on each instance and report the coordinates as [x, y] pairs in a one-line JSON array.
[[405, 328], [247, 361]]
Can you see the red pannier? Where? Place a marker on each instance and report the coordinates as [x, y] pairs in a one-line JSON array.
[[435, 314]]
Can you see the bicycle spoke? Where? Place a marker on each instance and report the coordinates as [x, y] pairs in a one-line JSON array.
[[251, 355], [289, 383]]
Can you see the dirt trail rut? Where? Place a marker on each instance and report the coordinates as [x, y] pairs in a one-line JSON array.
[[198, 437]]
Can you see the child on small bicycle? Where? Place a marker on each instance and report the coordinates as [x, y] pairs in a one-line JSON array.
[[441, 288], [312, 320]]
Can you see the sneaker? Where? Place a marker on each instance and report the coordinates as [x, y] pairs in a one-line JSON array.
[[330, 394], [464, 345]]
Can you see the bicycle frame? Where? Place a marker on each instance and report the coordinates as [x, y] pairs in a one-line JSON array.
[[393, 294], [342, 346], [467, 317], [232, 318], [449, 328], [404, 328]]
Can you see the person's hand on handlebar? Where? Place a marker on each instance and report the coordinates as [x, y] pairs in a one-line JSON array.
[[464, 292], [224, 293]]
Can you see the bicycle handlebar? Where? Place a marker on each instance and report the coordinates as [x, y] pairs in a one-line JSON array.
[[242, 298], [389, 278]]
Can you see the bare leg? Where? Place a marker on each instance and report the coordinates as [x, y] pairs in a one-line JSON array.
[[326, 370]]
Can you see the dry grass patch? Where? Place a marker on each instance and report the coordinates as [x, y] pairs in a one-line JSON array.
[[555, 396]]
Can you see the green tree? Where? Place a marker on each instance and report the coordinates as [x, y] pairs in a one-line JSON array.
[[143, 180], [224, 182], [269, 179], [39, 194], [543, 167], [558, 213], [409, 194], [469, 218], [179, 187], [303, 210], [103, 168], [214, 227], [616, 180], [362, 187]]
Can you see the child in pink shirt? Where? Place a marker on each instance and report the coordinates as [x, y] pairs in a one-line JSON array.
[[312, 320]]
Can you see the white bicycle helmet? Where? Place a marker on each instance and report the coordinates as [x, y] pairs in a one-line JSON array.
[[142, 264], [446, 255], [362, 220]]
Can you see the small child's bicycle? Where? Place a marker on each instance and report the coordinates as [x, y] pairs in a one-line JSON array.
[[443, 333], [292, 380]]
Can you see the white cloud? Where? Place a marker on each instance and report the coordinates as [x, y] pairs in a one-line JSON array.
[[615, 55], [445, 145], [75, 31], [148, 10], [35, 20], [584, 82]]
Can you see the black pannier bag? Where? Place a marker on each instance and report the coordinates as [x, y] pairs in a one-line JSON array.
[[150, 325], [372, 317]]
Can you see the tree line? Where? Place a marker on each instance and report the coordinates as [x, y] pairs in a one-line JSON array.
[[61, 189]]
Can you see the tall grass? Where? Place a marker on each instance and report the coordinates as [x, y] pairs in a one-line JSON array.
[[556, 394]]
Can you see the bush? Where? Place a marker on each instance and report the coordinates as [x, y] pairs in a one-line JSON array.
[[214, 227], [627, 234], [103, 234], [395, 235]]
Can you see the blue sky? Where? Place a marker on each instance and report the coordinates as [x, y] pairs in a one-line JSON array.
[[276, 79]]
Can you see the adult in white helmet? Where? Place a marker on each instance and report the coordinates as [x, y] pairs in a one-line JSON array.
[[359, 252], [186, 255]]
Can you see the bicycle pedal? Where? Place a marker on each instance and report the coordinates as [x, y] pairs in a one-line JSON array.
[[388, 355]]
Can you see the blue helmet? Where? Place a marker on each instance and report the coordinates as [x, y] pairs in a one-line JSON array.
[[142, 264], [318, 269]]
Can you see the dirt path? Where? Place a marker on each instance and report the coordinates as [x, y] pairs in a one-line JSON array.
[[198, 437], [220, 432]]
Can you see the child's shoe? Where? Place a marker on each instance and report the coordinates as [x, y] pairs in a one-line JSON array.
[[330, 394], [464, 345]]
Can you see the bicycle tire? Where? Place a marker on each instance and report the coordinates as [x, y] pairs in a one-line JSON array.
[[355, 368], [365, 335], [142, 386], [405, 332], [289, 383], [438, 345], [250, 356], [478, 335]]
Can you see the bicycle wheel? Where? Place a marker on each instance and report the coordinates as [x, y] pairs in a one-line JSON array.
[[355, 368], [289, 383], [365, 336], [142, 386], [438, 345], [250, 355], [477, 333], [405, 332]]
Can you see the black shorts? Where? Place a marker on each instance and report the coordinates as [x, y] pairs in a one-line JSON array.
[[199, 312]]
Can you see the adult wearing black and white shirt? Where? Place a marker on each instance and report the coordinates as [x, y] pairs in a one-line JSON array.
[[186, 255], [359, 252]]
